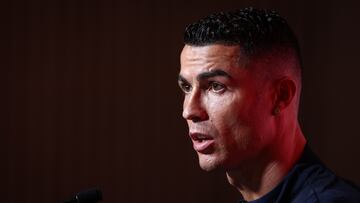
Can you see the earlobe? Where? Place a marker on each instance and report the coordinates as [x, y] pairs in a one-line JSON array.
[[276, 111], [284, 95]]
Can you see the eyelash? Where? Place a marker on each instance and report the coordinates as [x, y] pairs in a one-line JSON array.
[[185, 87], [213, 85]]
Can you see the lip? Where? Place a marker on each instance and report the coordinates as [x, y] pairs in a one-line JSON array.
[[202, 143]]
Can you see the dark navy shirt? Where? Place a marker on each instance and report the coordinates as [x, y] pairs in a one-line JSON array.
[[311, 182]]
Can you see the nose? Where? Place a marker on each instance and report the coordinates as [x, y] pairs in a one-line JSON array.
[[193, 108]]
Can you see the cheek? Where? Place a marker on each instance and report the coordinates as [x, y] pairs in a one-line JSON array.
[[227, 110], [221, 111], [228, 117], [233, 119]]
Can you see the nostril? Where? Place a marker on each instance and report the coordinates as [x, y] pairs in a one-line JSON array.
[[196, 119], [195, 115]]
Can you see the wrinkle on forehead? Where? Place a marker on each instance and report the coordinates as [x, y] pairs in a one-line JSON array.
[[210, 54]]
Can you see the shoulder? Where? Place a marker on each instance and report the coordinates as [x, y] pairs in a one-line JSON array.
[[310, 181], [337, 190], [326, 187], [315, 183]]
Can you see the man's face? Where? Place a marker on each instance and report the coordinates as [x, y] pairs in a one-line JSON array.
[[227, 106]]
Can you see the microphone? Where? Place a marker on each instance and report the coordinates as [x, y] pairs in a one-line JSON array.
[[92, 195]]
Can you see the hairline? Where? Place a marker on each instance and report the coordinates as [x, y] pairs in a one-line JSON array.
[[280, 52]]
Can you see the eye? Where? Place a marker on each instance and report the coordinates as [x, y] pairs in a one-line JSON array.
[[185, 87], [217, 87]]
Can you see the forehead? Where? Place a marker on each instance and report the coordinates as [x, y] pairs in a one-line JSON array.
[[210, 53], [196, 59]]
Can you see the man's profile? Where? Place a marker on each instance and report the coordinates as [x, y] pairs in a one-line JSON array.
[[241, 78]]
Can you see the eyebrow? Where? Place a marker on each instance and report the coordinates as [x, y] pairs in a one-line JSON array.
[[212, 73], [206, 75], [181, 79]]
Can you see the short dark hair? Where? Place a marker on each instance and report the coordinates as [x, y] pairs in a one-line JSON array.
[[257, 31]]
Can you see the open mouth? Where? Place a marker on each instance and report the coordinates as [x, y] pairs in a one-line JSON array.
[[201, 138], [202, 143]]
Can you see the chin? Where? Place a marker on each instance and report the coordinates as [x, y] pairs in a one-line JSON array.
[[208, 162], [212, 162]]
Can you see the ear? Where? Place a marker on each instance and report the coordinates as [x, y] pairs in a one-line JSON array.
[[284, 94]]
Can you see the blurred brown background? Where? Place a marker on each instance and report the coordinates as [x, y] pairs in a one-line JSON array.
[[89, 97]]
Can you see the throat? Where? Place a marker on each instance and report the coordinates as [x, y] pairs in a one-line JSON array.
[[261, 175], [255, 180]]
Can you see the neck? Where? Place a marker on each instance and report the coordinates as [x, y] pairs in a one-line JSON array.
[[260, 176]]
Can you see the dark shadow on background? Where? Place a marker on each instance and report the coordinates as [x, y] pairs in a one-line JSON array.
[[90, 97]]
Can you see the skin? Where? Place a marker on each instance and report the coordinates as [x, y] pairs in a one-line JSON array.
[[231, 100]]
